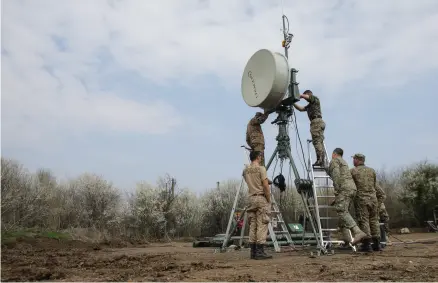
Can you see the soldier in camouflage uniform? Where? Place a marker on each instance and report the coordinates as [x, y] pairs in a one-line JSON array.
[[345, 192], [366, 203], [254, 134], [259, 205], [317, 125], [383, 214]]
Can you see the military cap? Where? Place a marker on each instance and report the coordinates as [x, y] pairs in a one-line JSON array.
[[359, 156], [258, 114]]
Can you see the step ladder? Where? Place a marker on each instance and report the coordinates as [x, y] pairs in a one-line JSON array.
[[321, 202], [276, 220]]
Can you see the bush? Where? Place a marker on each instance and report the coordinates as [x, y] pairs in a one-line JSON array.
[[164, 211], [420, 191]]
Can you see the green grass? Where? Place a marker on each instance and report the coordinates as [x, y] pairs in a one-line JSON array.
[[12, 236]]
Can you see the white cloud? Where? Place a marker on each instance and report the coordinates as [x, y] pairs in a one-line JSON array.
[[382, 42]]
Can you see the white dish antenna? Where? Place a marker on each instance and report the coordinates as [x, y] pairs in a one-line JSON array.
[[265, 79]]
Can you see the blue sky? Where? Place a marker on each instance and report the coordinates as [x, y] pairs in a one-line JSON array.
[[132, 90]]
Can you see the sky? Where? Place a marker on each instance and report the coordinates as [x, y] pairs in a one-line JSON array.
[[132, 90]]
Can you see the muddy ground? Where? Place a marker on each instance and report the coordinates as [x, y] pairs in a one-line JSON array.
[[53, 260]]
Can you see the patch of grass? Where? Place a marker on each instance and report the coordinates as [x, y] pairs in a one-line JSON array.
[[55, 235], [12, 236]]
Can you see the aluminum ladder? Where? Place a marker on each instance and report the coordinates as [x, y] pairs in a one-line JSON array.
[[275, 220], [321, 200]]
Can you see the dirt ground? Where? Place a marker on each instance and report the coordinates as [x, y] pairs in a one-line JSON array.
[[52, 260]]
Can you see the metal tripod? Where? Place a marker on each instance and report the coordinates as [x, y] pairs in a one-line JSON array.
[[303, 186]]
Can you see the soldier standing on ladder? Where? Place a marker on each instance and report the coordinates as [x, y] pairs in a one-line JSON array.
[[345, 192], [317, 125], [259, 205], [366, 204]]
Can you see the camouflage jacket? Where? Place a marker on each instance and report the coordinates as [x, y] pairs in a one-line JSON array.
[[339, 172], [365, 179], [313, 108], [254, 133]]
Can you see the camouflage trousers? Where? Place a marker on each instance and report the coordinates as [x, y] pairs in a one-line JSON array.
[[260, 147], [343, 201], [367, 215], [384, 217], [317, 127], [258, 218]]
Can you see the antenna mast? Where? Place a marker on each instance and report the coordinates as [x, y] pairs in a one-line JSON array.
[[287, 36], [293, 90]]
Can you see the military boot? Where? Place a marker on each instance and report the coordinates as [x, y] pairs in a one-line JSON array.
[[322, 160], [253, 250], [366, 246], [376, 245], [358, 235], [318, 163], [260, 252], [318, 160], [263, 251]]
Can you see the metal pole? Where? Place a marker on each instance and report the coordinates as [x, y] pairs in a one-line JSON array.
[[285, 38]]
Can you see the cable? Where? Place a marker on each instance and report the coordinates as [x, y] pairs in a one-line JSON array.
[[303, 162], [275, 166], [299, 139]]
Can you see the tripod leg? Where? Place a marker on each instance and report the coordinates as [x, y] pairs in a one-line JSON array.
[[272, 158], [227, 234], [292, 164]]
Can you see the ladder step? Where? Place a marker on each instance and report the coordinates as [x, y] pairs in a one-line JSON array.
[[325, 196], [321, 206], [321, 177], [281, 232], [324, 187], [331, 230], [334, 242], [328, 217]]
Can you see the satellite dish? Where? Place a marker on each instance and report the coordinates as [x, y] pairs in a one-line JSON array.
[[265, 79]]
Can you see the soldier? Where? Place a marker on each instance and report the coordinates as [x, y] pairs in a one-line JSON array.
[[317, 125], [383, 214], [254, 134], [345, 191], [366, 203], [259, 205]]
